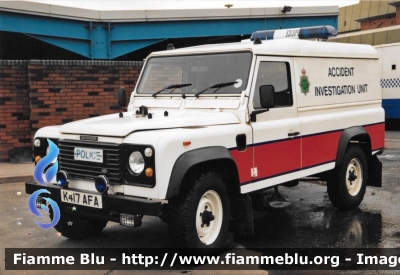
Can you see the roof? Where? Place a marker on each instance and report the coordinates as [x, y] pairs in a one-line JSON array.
[[160, 14], [284, 47]]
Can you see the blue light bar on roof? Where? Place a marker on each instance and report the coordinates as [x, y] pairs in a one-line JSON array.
[[300, 33]]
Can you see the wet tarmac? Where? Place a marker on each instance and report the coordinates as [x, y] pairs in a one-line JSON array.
[[309, 222], [312, 221]]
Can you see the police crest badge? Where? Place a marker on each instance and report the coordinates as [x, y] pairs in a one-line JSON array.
[[304, 83]]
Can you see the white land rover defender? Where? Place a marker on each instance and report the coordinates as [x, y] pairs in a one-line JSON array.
[[209, 129]]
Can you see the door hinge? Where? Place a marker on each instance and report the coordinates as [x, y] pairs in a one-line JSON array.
[[254, 172]]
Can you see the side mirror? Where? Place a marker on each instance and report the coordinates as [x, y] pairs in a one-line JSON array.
[[121, 96], [267, 96], [267, 100]]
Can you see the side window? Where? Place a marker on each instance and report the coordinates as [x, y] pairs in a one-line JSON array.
[[278, 75]]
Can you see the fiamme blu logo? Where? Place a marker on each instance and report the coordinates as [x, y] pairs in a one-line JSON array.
[[45, 170]]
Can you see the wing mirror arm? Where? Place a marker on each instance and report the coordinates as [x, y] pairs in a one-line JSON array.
[[121, 100], [253, 115]]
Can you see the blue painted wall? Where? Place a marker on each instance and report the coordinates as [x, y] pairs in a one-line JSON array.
[[108, 40]]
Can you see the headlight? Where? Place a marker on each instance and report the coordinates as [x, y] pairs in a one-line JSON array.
[[41, 148], [138, 165], [136, 162]]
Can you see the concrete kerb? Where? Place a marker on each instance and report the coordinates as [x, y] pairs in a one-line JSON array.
[[16, 172]]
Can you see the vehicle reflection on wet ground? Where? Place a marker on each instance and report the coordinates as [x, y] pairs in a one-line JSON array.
[[316, 226], [312, 222]]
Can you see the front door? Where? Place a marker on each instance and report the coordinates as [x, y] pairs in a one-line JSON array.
[[276, 133]]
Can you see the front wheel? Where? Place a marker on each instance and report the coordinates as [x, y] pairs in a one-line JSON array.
[[199, 216], [346, 188]]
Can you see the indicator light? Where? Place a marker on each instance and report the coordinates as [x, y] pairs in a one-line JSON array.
[[37, 142], [148, 152], [149, 172]]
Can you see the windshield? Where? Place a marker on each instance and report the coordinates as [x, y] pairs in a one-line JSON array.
[[200, 71]]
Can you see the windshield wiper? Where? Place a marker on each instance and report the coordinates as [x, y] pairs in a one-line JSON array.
[[172, 86], [217, 87]]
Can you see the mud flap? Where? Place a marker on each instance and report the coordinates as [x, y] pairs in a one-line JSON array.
[[375, 172], [242, 219]]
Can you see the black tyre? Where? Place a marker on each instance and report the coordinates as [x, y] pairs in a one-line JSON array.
[[347, 185], [74, 226], [199, 216]]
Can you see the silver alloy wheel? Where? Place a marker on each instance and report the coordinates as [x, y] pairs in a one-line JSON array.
[[354, 177], [209, 216]]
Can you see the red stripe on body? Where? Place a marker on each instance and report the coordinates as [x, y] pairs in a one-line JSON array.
[[377, 134], [277, 157], [280, 157], [318, 149]]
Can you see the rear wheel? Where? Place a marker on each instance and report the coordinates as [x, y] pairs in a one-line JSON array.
[[199, 216], [346, 187]]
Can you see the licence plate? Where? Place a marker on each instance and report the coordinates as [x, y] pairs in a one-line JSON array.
[[88, 154], [80, 198]]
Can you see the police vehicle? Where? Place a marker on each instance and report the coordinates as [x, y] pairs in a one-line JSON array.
[[210, 130], [390, 79]]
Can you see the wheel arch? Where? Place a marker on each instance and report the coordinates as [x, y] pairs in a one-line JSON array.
[[215, 158], [356, 134]]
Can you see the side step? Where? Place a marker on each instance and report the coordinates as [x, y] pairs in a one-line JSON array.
[[269, 198]]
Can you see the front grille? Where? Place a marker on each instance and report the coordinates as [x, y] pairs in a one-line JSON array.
[[90, 170]]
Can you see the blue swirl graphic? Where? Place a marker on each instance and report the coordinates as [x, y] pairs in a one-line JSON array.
[[32, 207], [44, 162]]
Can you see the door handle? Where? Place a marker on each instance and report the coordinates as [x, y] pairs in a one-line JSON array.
[[293, 134]]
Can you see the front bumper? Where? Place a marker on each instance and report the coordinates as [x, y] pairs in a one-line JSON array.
[[113, 205]]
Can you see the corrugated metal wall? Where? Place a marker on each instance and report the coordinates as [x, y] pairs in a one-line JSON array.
[[373, 14], [350, 16]]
